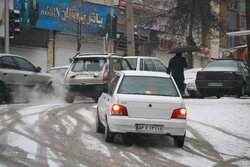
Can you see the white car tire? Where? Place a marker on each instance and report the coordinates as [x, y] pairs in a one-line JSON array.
[[99, 126], [179, 141], [109, 136]]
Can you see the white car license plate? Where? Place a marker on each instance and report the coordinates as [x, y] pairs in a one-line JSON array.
[[148, 128], [215, 84], [84, 76]]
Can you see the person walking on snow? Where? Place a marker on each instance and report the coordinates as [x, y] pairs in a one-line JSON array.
[[176, 68]]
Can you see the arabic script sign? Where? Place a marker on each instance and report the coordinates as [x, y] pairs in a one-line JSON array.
[[63, 15]]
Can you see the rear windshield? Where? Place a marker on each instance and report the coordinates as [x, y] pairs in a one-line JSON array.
[[88, 64], [147, 85], [222, 64]]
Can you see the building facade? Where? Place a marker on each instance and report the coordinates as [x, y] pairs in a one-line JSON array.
[[50, 30]]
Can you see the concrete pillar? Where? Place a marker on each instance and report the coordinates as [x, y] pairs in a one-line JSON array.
[[51, 50]]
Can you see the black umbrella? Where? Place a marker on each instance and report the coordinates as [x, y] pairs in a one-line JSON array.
[[185, 49]]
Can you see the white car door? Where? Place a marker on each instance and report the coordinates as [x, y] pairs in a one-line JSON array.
[[107, 99]]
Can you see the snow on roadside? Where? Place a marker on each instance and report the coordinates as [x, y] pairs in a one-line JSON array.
[[230, 114], [22, 142], [88, 116], [185, 158], [30, 114], [52, 158], [223, 143], [242, 163], [92, 143], [135, 157], [39, 108], [224, 123]]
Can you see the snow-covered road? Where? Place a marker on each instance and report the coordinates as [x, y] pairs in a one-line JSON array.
[[61, 134]]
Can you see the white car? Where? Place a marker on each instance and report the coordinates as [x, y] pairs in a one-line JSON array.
[[58, 71], [145, 63], [142, 102]]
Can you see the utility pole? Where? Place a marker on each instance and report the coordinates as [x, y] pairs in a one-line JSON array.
[[248, 28], [130, 28], [111, 40], [6, 38]]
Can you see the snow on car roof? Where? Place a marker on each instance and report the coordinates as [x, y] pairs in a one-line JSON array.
[[141, 57], [98, 55], [58, 67]]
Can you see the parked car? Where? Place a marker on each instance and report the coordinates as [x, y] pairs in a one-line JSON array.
[[17, 74], [142, 102], [224, 77], [144, 63], [89, 73], [190, 86], [58, 71]]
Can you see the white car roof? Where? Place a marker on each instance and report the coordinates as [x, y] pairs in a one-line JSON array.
[[98, 55], [58, 67], [145, 73], [149, 57]]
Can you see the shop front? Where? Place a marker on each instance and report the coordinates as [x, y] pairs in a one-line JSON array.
[[50, 30]]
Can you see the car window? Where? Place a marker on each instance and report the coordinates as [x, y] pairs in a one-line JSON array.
[[117, 66], [132, 62], [112, 84], [147, 65], [88, 64], [24, 64], [159, 65], [125, 65], [140, 85], [8, 62]]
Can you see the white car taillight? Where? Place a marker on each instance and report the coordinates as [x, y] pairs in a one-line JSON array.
[[119, 110], [180, 113]]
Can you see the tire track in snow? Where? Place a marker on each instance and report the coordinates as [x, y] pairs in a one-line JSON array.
[[221, 130]]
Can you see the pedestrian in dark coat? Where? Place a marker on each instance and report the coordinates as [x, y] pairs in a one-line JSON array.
[[176, 68]]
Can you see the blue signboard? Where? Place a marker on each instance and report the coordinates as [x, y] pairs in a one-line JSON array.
[[64, 15]]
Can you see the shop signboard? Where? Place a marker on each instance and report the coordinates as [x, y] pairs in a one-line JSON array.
[[64, 15]]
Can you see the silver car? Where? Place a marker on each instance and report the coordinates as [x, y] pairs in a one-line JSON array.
[[17, 74]]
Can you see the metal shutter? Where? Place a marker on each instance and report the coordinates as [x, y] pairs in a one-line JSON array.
[[65, 47]]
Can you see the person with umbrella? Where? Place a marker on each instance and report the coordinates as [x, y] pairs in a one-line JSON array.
[[176, 68]]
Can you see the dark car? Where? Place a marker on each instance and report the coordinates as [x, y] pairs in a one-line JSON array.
[[18, 75], [224, 77], [89, 73]]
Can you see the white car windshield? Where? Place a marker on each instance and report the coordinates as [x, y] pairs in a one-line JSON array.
[[147, 85]]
